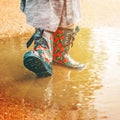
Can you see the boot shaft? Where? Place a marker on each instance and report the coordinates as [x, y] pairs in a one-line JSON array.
[[42, 43], [63, 39]]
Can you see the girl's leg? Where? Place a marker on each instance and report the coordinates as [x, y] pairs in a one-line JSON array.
[[63, 41], [39, 60]]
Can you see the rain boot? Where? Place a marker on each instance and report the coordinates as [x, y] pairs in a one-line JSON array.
[[63, 40], [39, 60]]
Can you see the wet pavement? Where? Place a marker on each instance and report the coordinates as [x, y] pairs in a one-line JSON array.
[[90, 94]]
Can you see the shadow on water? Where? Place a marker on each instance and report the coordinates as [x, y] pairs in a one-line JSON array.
[[68, 94]]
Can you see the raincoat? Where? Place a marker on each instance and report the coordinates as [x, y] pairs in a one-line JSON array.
[[50, 14]]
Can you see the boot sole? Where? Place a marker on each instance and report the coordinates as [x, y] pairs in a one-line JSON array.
[[79, 68], [36, 64]]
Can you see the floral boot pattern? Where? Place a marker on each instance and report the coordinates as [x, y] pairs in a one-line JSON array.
[[63, 40], [39, 60]]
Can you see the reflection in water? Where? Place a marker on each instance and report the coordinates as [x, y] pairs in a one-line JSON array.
[[108, 98], [69, 94]]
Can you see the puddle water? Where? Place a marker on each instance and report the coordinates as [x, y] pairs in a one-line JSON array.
[[91, 94]]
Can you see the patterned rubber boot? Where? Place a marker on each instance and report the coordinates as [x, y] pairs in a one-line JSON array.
[[39, 60], [63, 40]]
